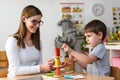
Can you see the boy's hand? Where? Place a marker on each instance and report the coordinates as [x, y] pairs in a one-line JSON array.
[[72, 58], [64, 64], [65, 47]]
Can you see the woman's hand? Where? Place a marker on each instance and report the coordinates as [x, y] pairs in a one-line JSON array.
[[48, 66], [51, 64]]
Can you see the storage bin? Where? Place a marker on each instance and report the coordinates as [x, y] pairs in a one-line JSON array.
[[115, 61]]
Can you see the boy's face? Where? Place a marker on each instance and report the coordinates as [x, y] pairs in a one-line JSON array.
[[93, 39]]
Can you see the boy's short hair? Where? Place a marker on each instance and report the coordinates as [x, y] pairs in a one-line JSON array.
[[96, 26]]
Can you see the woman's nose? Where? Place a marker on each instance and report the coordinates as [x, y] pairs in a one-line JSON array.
[[37, 25]]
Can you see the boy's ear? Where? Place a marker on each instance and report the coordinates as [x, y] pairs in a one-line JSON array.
[[100, 34]]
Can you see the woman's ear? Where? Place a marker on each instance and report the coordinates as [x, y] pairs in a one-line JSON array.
[[100, 35], [23, 18]]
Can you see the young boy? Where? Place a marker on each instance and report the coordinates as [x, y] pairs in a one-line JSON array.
[[95, 32]]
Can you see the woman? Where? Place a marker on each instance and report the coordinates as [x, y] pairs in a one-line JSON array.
[[23, 47]]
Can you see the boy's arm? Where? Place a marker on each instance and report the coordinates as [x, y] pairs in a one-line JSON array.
[[81, 58], [72, 58]]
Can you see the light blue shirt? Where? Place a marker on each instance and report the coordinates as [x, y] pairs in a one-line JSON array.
[[102, 65]]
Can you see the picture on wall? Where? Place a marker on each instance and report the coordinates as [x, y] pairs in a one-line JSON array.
[[75, 12], [116, 18]]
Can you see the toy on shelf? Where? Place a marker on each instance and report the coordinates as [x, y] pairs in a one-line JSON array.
[[113, 38]]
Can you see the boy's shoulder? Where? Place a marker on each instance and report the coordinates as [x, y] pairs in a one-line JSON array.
[[100, 47]]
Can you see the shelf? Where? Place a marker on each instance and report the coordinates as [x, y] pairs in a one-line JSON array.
[[113, 47]]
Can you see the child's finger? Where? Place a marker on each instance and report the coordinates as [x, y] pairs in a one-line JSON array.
[[63, 64]]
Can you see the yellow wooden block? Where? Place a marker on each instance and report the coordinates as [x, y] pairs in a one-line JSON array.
[[57, 62]]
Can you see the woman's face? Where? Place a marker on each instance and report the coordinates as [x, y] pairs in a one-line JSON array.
[[33, 23]]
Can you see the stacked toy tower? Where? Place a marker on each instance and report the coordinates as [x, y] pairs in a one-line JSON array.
[[57, 62]]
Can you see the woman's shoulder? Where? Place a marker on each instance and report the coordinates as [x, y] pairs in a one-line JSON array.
[[11, 40]]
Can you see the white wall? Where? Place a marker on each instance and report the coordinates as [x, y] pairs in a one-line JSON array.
[[10, 14]]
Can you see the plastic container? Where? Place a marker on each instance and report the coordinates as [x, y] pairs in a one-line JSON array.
[[116, 61]]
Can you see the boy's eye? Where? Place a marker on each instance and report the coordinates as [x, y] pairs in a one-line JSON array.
[[88, 36]]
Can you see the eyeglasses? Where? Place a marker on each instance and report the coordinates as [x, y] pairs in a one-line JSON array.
[[35, 22]]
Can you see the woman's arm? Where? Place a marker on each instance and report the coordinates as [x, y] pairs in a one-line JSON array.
[[15, 67]]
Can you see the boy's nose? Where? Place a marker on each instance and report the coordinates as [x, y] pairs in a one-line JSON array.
[[86, 39]]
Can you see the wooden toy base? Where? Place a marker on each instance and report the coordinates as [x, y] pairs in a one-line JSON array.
[[56, 76], [69, 72]]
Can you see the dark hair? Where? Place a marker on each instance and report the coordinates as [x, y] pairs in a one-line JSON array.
[[28, 12], [96, 26]]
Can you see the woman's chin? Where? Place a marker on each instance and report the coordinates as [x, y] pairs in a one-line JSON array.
[[33, 31]]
